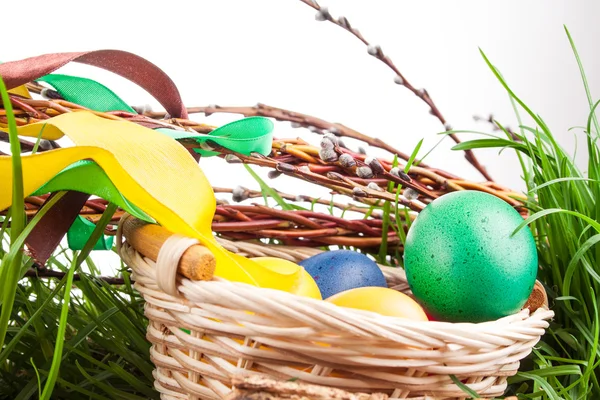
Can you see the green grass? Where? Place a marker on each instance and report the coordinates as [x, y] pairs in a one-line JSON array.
[[62, 339], [11, 262], [104, 336], [563, 201]]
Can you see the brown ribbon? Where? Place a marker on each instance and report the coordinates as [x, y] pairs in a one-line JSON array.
[[128, 65], [49, 231]]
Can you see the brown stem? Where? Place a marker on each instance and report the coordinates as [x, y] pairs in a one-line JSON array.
[[17, 103], [342, 186], [299, 119], [25, 145], [49, 273], [400, 79], [253, 194]]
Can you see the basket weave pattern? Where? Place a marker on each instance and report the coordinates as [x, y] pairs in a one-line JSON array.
[[237, 329]]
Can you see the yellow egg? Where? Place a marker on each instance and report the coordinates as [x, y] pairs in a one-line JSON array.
[[380, 300], [306, 285]]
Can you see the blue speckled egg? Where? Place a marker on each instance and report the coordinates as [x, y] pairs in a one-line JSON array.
[[462, 263], [340, 270]]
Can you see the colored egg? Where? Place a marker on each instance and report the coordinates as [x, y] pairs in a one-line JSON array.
[[462, 264], [305, 286], [340, 270], [380, 300], [429, 316]]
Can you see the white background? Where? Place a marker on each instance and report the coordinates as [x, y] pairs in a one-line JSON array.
[[242, 52]]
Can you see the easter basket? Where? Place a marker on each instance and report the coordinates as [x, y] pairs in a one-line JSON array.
[[209, 333], [204, 334]]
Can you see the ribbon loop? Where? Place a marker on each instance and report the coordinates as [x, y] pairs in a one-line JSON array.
[[128, 65]]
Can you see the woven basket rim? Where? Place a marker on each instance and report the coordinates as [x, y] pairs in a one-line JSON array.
[[542, 313], [227, 319]]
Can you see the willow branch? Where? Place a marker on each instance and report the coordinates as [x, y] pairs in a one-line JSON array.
[[376, 51], [297, 119], [245, 193], [335, 183]]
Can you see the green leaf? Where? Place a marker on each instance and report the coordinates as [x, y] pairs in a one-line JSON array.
[[558, 180], [132, 380], [494, 143], [23, 329], [548, 372], [79, 389], [56, 360], [565, 298], [11, 265], [37, 375], [571, 268], [534, 376], [590, 369], [535, 117], [113, 392], [266, 189], [464, 387], [583, 77], [38, 140], [420, 160], [60, 338], [413, 155], [544, 213]]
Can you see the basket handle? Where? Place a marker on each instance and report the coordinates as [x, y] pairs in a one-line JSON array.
[[197, 263], [128, 65]]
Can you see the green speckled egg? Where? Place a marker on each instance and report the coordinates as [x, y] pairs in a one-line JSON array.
[[461, 262]]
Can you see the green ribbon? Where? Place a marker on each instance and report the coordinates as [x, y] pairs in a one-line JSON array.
[[80, 232], [252, 134], [245, 136], [88, 177], [87, 93]]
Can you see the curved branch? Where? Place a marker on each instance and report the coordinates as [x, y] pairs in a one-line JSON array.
[[376, 51]]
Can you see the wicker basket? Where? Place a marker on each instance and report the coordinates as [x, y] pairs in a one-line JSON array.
[[237, 329]]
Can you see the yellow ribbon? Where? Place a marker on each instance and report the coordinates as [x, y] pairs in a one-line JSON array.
[[152, 171], [21, 91]]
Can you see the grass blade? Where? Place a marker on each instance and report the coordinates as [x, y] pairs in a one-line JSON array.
[[550, 392], [57, 358], [558, 180], [464, 387], [60, 338], [266, 189], [413, 155], [583, 77], [544, 213], [11, 267]]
